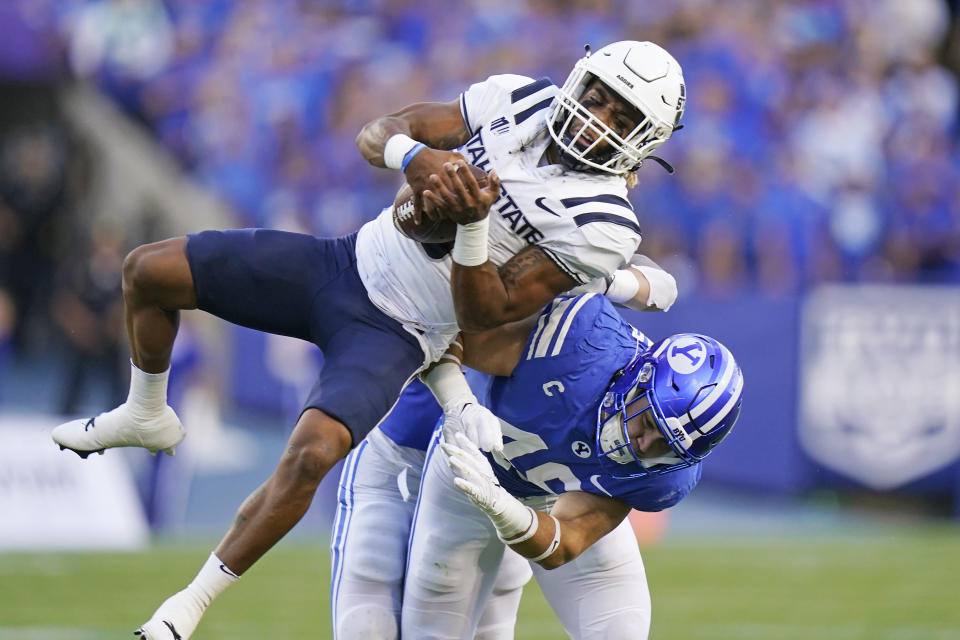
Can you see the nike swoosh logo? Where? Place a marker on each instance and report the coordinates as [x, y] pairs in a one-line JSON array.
[[593, 480], [223, 568], [539, 203], [176, 636]]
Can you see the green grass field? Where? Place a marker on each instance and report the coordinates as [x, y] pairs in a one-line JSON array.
[[880, 586]]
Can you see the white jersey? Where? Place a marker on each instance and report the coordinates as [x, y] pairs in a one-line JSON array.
[[582, 221]]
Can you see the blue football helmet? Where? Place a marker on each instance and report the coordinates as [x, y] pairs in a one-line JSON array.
[[693, 387]]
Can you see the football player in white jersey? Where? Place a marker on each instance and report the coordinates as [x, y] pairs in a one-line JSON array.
[[596, 420], [379, 488], [381, 306]]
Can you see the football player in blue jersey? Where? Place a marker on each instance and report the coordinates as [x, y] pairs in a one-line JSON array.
[[596, 420], [379, 488], [554, 214]]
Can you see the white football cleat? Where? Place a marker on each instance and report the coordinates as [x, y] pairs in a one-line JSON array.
[[118, 428]]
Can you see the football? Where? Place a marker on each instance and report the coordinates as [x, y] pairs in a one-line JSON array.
[[431, 229]]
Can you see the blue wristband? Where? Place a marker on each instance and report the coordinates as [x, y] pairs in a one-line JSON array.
[[410, 155]]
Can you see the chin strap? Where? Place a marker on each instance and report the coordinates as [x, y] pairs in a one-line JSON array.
[[663, 163], [572, 163]]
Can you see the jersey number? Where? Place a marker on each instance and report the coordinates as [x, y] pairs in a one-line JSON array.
[[525, 442]]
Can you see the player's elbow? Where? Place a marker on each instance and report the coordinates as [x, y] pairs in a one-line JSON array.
[[477, 315], [362, 139], [479, 321], [367, 142], [477, 327]]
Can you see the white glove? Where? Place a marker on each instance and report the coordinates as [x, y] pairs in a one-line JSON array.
[[462, 412], [475, 478], [466, 416], [176, 619]]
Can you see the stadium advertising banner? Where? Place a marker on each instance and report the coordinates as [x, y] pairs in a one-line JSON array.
[[51, 499], [880, 381]]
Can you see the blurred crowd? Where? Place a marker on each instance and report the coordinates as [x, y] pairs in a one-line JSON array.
[[820, 139]]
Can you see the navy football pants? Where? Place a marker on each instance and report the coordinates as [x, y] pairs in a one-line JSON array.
[[306, 287]]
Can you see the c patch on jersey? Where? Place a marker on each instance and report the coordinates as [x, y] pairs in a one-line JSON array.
[[686, 354]]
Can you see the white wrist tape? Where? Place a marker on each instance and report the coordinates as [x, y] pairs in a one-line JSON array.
[[526, 535], [398, 146], [470, 246], [663, 287], [448, 384], [554, 544], [623, 286], [513, 518]]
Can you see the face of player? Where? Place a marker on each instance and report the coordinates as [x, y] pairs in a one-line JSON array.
[[644, 435], [608, 107]]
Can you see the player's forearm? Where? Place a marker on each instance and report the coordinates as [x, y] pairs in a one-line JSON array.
[[554, 548], [576, 521], [262, 520], [485, 297], [480, 298]]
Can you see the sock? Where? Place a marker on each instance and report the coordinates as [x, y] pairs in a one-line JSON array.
[[213, 578], [148, 392]]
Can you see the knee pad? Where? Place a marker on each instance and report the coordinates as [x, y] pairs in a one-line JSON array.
[[369, 623], [625, 624]]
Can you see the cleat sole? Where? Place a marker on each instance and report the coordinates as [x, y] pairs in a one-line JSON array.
[[83, 454]]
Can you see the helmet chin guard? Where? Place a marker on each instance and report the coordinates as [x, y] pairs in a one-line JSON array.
[[692, 386], [644, 76]]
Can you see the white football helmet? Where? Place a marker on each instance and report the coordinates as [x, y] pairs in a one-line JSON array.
[[642, 74]]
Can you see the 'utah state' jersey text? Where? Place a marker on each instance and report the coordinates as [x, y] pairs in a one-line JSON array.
[[582, 221]]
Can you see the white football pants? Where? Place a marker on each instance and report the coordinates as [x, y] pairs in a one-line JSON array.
[[455, 556], [376, 501]]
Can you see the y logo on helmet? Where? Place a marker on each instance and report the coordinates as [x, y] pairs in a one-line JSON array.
[[686, 354]]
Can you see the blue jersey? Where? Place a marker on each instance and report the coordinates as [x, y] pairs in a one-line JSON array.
[[548, 408], [412, 419]]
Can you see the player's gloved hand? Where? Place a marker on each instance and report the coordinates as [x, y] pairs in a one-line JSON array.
[[466, 416], [177, 617], [475, 478]]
